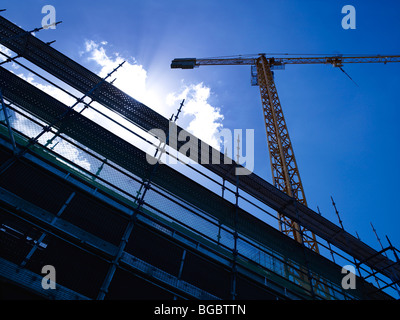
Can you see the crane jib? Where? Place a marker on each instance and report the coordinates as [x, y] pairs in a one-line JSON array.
[[280, 62]]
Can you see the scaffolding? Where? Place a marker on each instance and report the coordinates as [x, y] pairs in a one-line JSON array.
[[169, 201]]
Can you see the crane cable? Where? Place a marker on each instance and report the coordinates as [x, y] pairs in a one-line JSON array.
[[348, 76]]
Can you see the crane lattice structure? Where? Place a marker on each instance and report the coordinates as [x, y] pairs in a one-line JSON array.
[[285, 172]]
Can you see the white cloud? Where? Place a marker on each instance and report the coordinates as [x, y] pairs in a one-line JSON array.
[[206, 120], [130, 78], [8, 53], [4, 50]]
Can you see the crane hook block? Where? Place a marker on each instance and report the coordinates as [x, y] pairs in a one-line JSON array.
[[187, 63]]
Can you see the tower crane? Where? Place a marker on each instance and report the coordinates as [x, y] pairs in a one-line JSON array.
[[285, 172]]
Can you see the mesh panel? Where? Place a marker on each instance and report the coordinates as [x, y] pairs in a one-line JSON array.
[[155, 250], [95, 218], [27, 182], [210, 277], [179, 213], [14, 245], [4, 155], [76, 269], [124, 287]]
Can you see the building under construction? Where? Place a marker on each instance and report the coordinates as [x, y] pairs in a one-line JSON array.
[[86, 201]]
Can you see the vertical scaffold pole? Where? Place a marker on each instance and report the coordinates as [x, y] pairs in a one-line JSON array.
[[379, 240], [372, 271], [235, 233], [132, 221], [395, 279], [309, 275], [329, 244], [341, 225]]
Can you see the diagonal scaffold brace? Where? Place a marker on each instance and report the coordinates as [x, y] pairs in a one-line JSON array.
[[141, 193]]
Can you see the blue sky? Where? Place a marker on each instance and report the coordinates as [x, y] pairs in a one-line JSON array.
[[345, 137]]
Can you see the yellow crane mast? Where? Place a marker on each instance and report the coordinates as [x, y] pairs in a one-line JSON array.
[[285, 172]]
